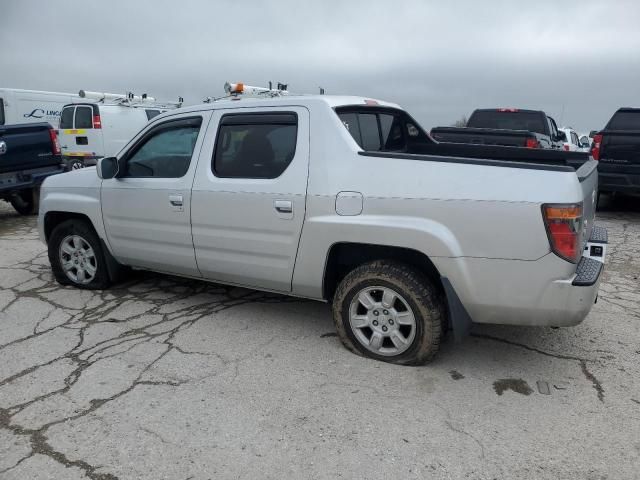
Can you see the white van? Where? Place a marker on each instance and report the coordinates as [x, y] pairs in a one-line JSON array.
[[97, 129], [30, 106]]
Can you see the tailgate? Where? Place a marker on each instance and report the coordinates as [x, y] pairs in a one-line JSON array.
[[26, 147], [588, 177], [620, 147], [482, 136]]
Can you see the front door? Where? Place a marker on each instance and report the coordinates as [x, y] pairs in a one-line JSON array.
[[146, 210], [248, 199]]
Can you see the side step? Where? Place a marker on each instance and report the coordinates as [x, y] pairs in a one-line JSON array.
[[587, 272], [599, 235]]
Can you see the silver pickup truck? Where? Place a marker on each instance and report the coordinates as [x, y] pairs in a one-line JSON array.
[[338, 199]]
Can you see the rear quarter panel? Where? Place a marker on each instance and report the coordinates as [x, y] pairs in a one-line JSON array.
[[443, 210]]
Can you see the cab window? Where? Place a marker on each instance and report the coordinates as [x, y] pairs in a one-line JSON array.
[[382, 130], [255, 145], [1, 111], [165, 151]]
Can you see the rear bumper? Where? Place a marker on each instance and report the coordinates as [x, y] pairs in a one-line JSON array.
[[16, 181], [615, 179], [545, 292]]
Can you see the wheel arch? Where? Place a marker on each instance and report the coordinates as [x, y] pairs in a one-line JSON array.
[[345, 256], [54, 218]]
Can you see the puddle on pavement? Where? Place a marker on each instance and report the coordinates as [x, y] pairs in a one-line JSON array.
[[515, 384]]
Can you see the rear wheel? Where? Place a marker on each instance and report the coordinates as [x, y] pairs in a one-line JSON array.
[[76, 256], [25, 202], [390, 312], [75, 164]]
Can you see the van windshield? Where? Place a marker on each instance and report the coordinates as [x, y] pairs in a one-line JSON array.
[[66, 117]]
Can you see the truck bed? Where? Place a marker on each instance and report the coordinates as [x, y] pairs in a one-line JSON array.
[[28, 146], [502, 154]]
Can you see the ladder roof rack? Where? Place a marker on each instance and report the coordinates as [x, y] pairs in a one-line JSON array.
[[129, 99]]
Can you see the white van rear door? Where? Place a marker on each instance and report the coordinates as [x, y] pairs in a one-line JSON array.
[[84, 139]]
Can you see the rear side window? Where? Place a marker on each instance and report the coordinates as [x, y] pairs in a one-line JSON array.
[[1, 112], [626, 120], [508, 120], [255, 145], [574, 138], [166, 150], [66, 117], [152, 113], [376, 131], [84, 117]]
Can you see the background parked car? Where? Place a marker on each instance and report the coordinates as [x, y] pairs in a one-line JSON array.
[[505, 126], [572, 143], [101, 127], [585, 141], [29, 153], [618, 149], [33, 106]]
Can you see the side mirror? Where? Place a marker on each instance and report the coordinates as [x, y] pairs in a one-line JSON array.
[[107, 167]]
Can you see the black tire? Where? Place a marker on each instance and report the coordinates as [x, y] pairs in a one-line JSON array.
[[75, 164], [416, 289], [25, 202], [81, 228]]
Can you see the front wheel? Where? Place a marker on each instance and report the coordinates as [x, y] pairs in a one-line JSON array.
[[76, 256], [390, 312]]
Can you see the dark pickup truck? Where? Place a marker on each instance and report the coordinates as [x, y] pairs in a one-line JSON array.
[[29, 153], [617, 147], [509, 127]]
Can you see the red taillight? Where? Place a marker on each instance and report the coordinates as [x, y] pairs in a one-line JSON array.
[[595, 148], [55, 144], [564, 226], [566, 147], [96, 121], [532, 143]]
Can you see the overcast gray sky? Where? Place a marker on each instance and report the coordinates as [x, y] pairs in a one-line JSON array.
[[577, 60]]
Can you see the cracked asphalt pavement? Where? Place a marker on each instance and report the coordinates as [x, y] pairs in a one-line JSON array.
[[165, 378]]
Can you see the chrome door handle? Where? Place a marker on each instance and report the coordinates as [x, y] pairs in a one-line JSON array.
[[175, 200], [283, 206]]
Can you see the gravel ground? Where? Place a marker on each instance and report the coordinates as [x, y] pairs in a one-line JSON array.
[[168, 378]]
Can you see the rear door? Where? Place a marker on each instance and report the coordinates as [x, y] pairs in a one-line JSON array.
[[81, 132], [248, 200], [146, 211]]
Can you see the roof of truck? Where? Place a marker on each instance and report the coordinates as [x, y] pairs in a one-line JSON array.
[[331, 100]]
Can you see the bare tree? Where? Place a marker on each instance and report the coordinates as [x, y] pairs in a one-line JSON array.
[[462, 122]]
